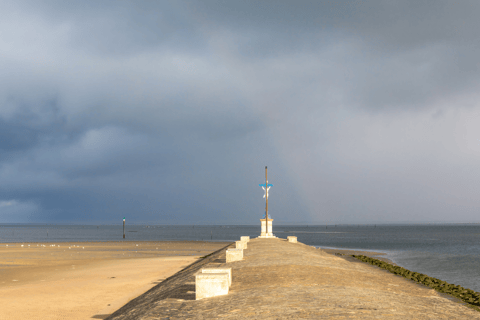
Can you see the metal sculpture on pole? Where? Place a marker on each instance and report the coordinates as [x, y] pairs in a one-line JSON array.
[[266, 186]]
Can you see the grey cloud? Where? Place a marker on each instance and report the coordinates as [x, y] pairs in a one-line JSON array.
[[119, 28], [400, 52], [26, 128], [393, 24], [170, 110], [401, 55]]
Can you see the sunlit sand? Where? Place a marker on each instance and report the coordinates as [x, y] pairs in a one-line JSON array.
[[86, 280]]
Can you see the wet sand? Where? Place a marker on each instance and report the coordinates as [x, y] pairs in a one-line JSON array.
[[86, 280]]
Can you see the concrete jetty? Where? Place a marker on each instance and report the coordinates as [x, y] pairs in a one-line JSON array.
[[278, 279]]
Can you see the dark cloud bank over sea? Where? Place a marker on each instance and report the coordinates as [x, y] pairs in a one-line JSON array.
[[167, 111]]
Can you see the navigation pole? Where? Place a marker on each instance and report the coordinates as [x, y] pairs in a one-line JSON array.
[[266, 187], [266, 199]]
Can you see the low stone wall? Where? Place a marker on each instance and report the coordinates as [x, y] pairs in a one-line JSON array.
[[210, 285], [234, 255], [241, 245], [292, 239], [220, 270]]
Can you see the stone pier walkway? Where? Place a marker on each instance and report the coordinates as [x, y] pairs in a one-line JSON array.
[[282, 280]]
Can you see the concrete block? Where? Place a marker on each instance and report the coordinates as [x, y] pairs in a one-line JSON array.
[[292, 239], [220, 270], [210, 285], [241, 244], [234, 255], [245, 238], [266, 229]]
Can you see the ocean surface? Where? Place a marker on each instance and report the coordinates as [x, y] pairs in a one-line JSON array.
[[448, 252]]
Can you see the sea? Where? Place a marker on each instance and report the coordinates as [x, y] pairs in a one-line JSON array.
[[450, 252]]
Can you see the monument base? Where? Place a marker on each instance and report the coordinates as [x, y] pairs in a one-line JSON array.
[[266, 236], [266, 231]]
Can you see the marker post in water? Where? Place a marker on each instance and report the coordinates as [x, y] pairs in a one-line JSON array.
[[123, 227]]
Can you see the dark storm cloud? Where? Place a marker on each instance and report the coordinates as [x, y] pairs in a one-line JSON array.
[[393, 54], [390, 25], [27, 129], [169, 111]]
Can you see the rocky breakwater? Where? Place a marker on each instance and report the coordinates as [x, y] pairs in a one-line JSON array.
[[470, 297], [277, 279]]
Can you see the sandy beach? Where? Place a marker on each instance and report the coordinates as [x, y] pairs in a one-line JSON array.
[[86, 280]]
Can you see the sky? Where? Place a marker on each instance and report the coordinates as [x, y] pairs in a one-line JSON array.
[[167, 112]]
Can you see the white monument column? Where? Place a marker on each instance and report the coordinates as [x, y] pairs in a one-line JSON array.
[[266, 232]]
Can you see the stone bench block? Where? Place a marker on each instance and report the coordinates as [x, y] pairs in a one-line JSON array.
[[220, 270], [234, 255], [292, 239], [241, 244], [245, 238], [210, 285]]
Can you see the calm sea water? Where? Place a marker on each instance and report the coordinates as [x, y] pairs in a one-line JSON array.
[[447, 252]]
